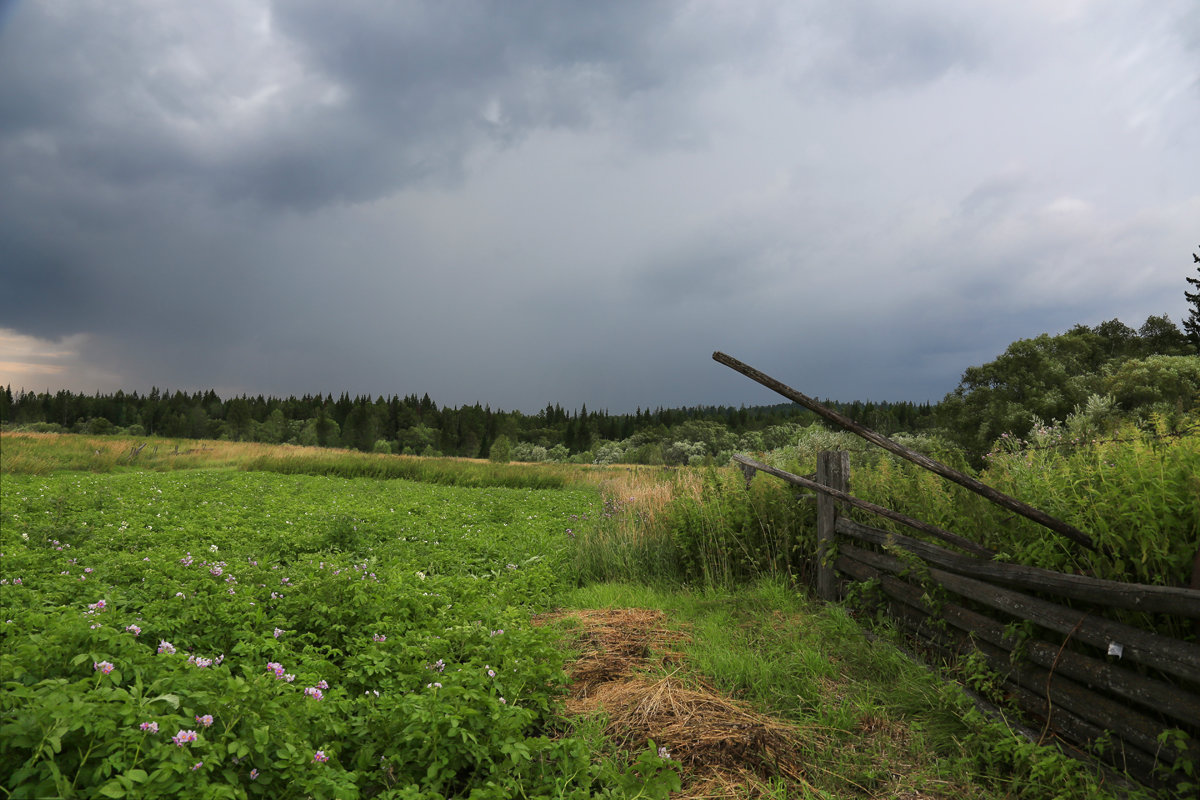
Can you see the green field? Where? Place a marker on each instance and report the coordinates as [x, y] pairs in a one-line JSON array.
[[409, 604], [222, 631]]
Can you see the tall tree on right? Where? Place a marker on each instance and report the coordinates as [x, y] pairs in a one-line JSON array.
[[1191, 325]]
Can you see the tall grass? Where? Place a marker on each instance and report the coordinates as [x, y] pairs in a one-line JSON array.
[[1137, 495], [735, 532], [695, 526], [628, 541]]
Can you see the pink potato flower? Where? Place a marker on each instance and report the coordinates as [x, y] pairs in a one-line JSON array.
[[183, 737]]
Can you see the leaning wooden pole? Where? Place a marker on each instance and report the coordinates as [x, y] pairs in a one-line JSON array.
[[949, 473]]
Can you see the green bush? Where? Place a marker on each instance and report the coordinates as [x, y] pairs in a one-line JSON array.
[[501, 450], [1174, 380]]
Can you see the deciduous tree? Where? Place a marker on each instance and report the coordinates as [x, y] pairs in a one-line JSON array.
[[1160, 336], [501, 450]]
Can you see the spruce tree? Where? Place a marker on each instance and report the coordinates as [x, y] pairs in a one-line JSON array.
[[1191, 325]]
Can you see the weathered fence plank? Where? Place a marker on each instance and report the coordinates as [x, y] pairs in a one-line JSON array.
[[1178, 658], [1155, 695], [1115, 594], [1075, 710], [1066, 726], [1071, 728]]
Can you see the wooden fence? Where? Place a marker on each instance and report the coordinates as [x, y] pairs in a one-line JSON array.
[[1094, 683]]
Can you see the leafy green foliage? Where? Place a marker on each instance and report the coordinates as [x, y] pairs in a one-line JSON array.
[[1155, 381], [1050, 377], [1136, 494], [231, 634]]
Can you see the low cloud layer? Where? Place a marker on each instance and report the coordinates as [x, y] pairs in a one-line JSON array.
[[537, 202]]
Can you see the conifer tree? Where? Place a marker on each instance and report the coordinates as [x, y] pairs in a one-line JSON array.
[[1191, 325]]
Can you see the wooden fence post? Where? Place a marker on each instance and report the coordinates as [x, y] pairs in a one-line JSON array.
[[833, 470], [748, 473]]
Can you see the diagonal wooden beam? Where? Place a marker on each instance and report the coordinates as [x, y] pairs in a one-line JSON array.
[[920, 459], [865, 505]]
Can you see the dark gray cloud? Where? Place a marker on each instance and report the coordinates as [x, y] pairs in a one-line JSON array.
[[530, 202], [874, 46], [303, 104]]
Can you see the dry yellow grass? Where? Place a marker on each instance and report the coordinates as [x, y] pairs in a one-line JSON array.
[[630, 539], [43, 452], [725, 748], [641, 493]]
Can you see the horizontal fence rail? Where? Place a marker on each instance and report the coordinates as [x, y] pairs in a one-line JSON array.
[[1115, 594], [1147, 692]]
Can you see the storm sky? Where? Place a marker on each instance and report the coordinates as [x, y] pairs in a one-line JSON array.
[[519, 203]]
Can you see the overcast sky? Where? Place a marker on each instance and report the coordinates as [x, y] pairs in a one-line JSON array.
[[521, 203]]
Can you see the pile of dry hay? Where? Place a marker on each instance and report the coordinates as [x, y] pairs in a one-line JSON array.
[[725, 748]]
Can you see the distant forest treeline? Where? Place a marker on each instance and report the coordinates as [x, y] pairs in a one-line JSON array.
[[1103, 372], [409, 424]]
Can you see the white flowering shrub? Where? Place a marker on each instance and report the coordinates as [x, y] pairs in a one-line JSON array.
[[527, 451], [679, 453], [609, 453]]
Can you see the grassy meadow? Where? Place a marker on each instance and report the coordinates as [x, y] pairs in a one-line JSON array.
[[244, 620]]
